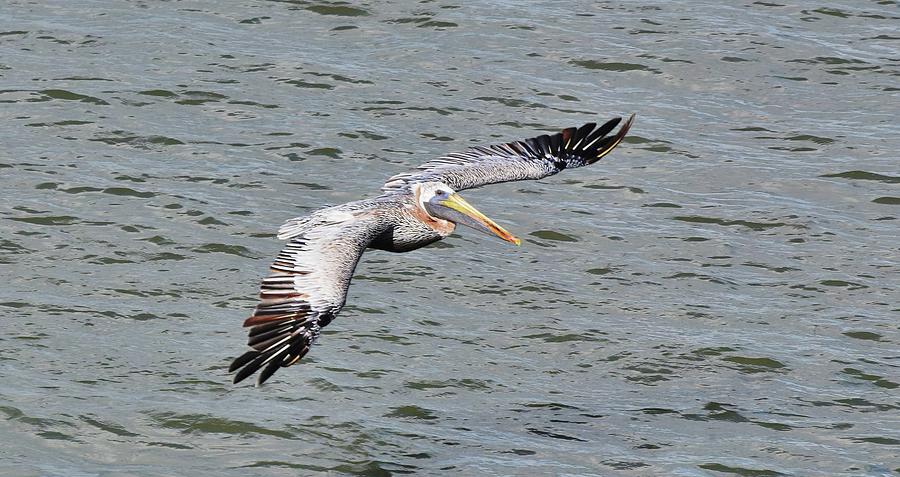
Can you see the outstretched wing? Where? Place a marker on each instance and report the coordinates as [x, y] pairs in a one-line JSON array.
[[306, 287], [528, 159]]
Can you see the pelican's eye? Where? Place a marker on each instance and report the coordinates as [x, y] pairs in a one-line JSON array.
[[441, 192]]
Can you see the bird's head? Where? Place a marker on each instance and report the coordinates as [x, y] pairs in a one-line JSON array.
[[440, 201]]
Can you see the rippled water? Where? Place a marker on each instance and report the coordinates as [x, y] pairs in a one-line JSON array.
[[717, 297]]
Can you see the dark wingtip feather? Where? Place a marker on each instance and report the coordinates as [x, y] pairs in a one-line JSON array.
[[605, 145], [555, 142], [543, 144], [276, 348], [242, 360], [297, 350], [268, 371], [608, 126], [579, 135], [249, 368]]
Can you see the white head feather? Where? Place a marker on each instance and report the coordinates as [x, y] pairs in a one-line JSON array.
[[425, 191]]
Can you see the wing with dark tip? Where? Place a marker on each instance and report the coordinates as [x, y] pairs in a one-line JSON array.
[[529, 159], [306, 287]]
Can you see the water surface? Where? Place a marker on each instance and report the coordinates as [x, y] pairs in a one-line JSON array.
[[718, 297]]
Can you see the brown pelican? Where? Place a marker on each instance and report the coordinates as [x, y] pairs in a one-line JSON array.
[[308, 282]]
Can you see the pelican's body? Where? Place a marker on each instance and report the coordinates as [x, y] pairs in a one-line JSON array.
[[309, 279]]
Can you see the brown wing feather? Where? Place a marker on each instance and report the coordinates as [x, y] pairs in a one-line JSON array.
[[306, 288]]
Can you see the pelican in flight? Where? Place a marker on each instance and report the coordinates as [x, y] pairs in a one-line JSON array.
[[307, 285]]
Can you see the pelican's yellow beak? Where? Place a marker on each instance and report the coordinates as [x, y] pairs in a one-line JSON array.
[[458, 204]]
